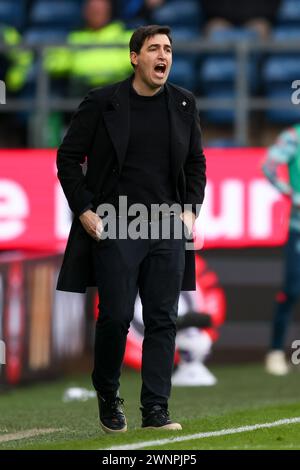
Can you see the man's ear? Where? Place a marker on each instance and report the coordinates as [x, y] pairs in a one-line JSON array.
[[134, 58]]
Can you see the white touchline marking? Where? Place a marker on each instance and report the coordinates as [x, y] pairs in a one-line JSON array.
[[202, 435], [26, 434]]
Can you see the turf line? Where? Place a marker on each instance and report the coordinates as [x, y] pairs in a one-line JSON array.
[[26, 434], [203, 435]]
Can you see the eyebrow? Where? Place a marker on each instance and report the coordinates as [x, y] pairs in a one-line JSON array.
[[158, 45]]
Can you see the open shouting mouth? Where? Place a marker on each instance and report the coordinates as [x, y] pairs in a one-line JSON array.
[[160, 69]]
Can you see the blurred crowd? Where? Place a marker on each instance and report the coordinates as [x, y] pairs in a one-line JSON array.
[[77, 23]]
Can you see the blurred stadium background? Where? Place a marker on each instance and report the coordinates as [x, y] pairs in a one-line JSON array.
[[243, 83]]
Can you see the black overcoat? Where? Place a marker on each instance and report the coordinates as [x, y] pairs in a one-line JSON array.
[[98, 134]]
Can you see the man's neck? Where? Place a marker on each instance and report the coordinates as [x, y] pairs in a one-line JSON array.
[[143, 90]]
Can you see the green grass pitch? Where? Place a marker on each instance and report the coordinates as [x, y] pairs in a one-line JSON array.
[[244, 396]]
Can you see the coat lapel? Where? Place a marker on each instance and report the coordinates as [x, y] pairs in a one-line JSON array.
[[116, 119], [180, 128]]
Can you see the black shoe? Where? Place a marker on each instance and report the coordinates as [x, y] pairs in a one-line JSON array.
[[112, 418], [157, 417]]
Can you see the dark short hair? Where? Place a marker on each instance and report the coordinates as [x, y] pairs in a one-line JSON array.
[[143, 32]]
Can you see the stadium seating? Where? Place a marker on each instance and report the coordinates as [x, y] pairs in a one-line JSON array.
[[282, 116], [221, 69], [66, 13], [282, 33], [38, 35], [130, 8], [281, 69], [179, 13], [184, 33], [278, 73], [220, 116], [183, 73], [217, 72], [232, 35], [12, 12], [289, 12]]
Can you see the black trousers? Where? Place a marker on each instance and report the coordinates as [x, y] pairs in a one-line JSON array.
[[155, 268]]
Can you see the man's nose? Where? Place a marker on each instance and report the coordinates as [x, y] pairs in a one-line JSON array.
[[162, 54]]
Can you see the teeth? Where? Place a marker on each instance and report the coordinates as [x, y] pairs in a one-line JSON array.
[[161, 67]]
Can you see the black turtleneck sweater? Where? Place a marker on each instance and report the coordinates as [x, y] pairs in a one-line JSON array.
[[146, 173]]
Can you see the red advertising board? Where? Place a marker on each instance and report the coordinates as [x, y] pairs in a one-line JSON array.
[[241, 208]]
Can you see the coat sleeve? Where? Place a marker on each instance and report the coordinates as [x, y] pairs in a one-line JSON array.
[[281, 154], [73, 151], [195, 168]]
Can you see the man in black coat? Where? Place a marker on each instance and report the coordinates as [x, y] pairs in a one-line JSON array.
[[141, 141]]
